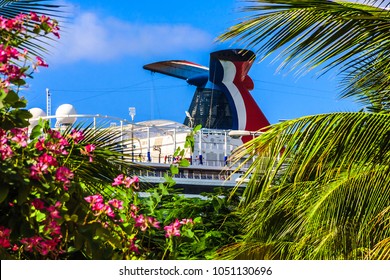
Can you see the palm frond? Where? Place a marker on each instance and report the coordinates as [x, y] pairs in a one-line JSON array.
[[109, 158], [330, 198], [13, 8], [320, 34]]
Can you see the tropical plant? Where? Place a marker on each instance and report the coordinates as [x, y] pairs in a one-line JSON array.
[[68, 193], [36, 42], [325, 193], [44, 174]]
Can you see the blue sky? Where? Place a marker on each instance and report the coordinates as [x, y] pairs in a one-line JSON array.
[[97, 64]]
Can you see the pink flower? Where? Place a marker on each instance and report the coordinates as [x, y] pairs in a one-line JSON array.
[[55, 134], [53, 26], [141, 222], [38, 204], [41, 62], [134, 247], [49, 245], [63, 143], [133, 211], [31, 243], [134, 208], [40, 245], [4, 237], [5, 151], [109, 212], [40, 145], [118, 180], [53, 228], [48, 159], [64, 174], [116, 203], [153, 222], [15, 24], [8, 53], [97, 203], [53, 211], [44, 18], [34, 16], [173, 229], [20, 136], [186, 221], [76, 135], [38, 170], [98, 208], [145, 222], [128, 182], [92, 199], [88, 149], [12, 71], [58, 148]]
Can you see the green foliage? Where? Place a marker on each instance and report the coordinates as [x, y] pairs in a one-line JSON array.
[[61, 193], [325, 192], [215, 222], [350, 38], [31, 39]]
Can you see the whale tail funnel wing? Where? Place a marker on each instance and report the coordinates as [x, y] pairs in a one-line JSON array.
[[222, 99]]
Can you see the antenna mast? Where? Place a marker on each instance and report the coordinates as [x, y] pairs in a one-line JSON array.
[[48, 105]]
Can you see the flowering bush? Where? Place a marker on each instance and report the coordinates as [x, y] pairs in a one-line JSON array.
[[61, 195]]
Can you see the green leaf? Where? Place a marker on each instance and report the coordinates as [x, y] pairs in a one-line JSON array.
[[65, 197], [197, 128], [189, 233], [24, 114], [169, 180], [198, 220], [164, 189], [4, 190], [40, 216], [20, 104], [184, 163], [3, 95], [79, 241], [19, 82], [36, 132], [74, 218], [213, 233], [46, 125], [23, 193], [11, 98], [174, 169]]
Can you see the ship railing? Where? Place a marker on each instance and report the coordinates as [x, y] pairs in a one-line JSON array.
[[194, 176]]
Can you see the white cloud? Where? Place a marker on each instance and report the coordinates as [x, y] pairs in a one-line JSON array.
[[93, 38]]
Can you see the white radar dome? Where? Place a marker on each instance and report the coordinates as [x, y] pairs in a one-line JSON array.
[[36, 114], [63, 112]]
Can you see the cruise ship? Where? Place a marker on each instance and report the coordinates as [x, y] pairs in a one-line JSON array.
[[222, 105]]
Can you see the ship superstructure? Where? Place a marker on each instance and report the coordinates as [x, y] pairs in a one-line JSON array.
[[222, 105]]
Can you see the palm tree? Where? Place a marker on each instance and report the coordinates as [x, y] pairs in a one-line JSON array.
[[328, 196]]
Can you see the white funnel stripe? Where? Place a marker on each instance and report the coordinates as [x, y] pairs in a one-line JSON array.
[[228, 77]]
